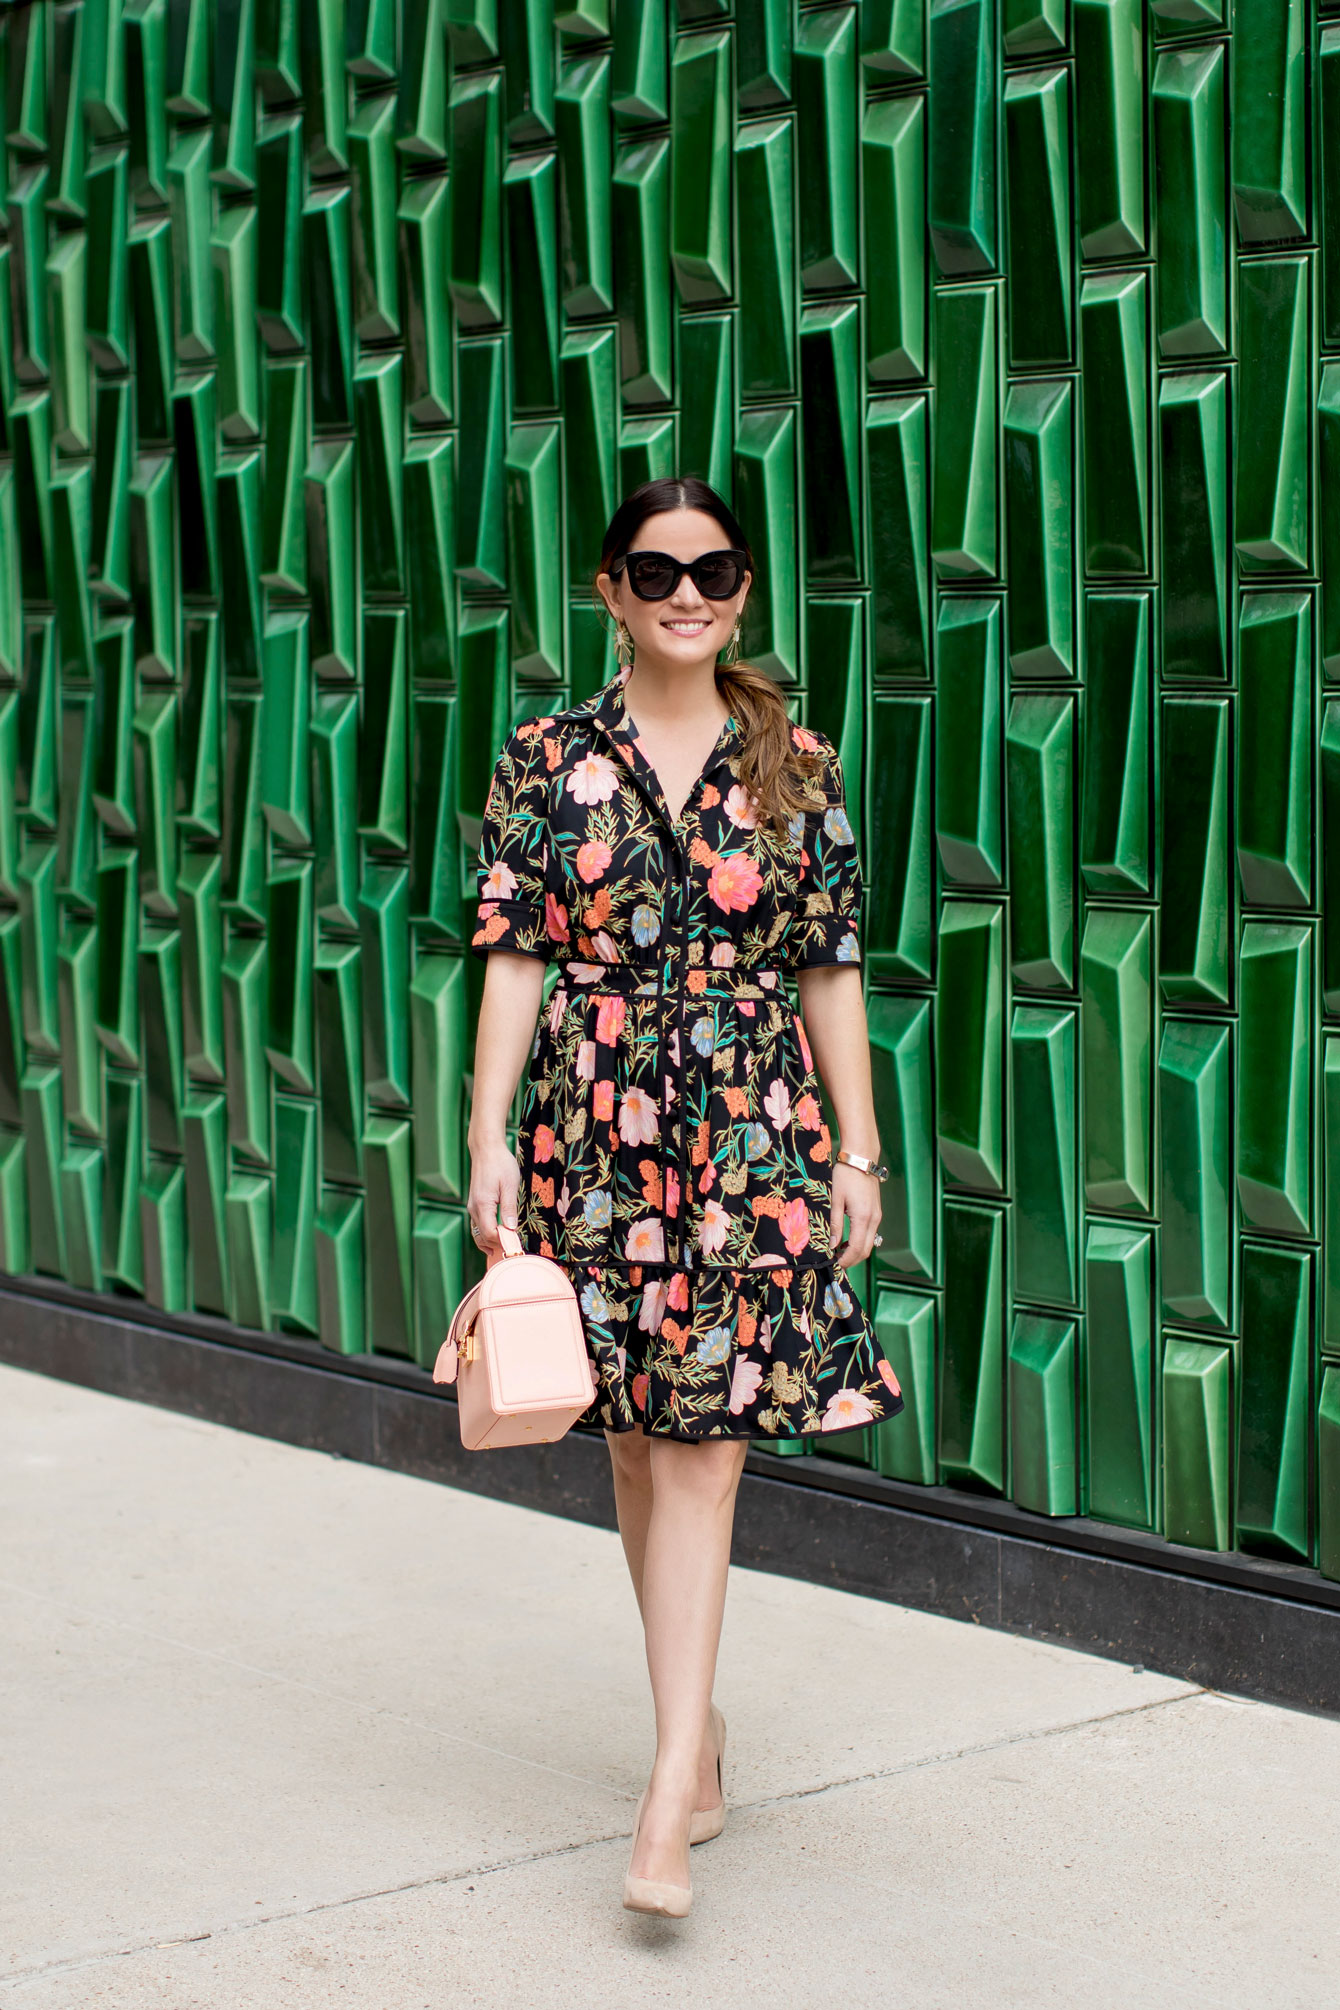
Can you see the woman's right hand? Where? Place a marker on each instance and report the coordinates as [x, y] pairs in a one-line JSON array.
[[495, 1183]]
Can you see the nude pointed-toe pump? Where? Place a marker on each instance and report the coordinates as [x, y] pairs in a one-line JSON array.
[[647, 1894], [705, 1823]]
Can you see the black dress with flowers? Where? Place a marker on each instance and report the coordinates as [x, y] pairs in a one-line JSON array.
[[673, 1153]]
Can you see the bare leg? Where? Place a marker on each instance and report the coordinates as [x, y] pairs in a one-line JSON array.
[[630, 1458], [685, 1560]]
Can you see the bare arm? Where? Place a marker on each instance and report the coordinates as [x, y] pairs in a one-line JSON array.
[[833, 1010], [511, 1002]]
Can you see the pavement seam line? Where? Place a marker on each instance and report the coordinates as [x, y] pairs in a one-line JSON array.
[[237, 1926]]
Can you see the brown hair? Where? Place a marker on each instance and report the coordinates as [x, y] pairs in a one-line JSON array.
[[773, 771]]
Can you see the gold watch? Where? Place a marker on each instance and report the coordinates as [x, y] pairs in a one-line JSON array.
[[871, 1166]]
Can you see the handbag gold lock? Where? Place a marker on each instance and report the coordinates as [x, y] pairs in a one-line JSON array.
[[465, 1348]]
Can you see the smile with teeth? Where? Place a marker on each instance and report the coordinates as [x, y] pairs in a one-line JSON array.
[[689, 627]]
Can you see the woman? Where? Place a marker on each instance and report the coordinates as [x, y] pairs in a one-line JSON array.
[[676, 845]]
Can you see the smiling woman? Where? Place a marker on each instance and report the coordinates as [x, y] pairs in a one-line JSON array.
[[680, 846]]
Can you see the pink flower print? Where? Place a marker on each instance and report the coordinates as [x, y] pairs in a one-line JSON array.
[[602, 1103], [804, 740], [594, 779], [805, 1053], [564, 1201], [794, 1222], [593, 860], [808, 1114], [723, 955], [887, 1377], [606, 948], [586, 1060], [777, 1103], [501, 883], [677, 1298], [846, 1410], [638, 1121], [764, 1333], [744, 1383], [610, 1013], [734, 883], [646, 1241], [542, 1144], [767, 979], [652, 1309], [668, 1094], [707, 1178], [715, 1227], [555, 919], [621, 1356], [747, 1008], [558, 1005], [741, 809], [672, 1193]]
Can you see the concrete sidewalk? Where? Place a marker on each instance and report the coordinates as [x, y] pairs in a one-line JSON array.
[[279, 1730]]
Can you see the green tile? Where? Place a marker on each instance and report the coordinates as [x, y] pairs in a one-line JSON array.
[[438, 1028], [581, 126], [278, 216], [700, 214], [293, 1264], [1327, 173], [476, 237], [233, 249], [384, 739], [285, 725], [118, 940], [969, 1045], [480, 547], [904, 1446], [588, 369], [160, 1003], [329, 289], [283, 543], [1195, 1070], [1268, 125], [383, 906], [1039, 451], [1187, 119], [424, 218], [1274, 802], [340, 1279], [893, 181], [1197, 894], [899, 934], [376, 306], [1274, 1413], [1109, 135], [435, 880], [1118, 1374], [1045, 1100], [1116, 1027], [972, 1357], [830, 377], [199, 890], [244, 1028], [1273, 448], [1114, 406], [963, 494], [387, 1234], [1040, 762], [81, 1054], [1274, 1077], [339, 1033], [155, 767], [962, 108], [534, 478], [824, 73], [377, 404], [81, 1204], [1044, 1449], [248, 1216], [1197, 1377], [438, 1255], [289, 1045], [14, 1250], [123, 1168], [1039, 316], [1115, 790], [766, 496], [42, 1132], [640, 232], [1328, 1474], [334, 740], [969, 824], [332, 559], [900, 1055], [896, 479], [1328, 513], [764, 172], [240, 496]]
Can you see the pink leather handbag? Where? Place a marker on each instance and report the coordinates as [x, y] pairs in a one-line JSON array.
[[516, 1350]]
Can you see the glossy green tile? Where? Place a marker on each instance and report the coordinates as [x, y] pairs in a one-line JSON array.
[[969, 1045], [1274, 1077], [764, 48], [42, 1133], [700, 210], [424, 218], [1039, 310], [1044, 1450], [963, 496], [243, 822], [969, 825], [1038, 442], [329, 289], [205, 1160], [278, 232], [159, 984], [534, 486], [339, 1032], [199, 889], [1195, 1069], [233, 251], [435, 880], [109, 532], [1120, 1450], [898, 818], [476, 234], [764, 173], [831, 441], [439, 1267], [155, 767], [835, 636], [893, 182], [896, 482], [1188, 128], [81, 1205], [1327, 172], [972, 1357], [11, 1019], [1197, 1420], [485, 700], [241, 516], [824, 73], [387, 1230], [640, 231], [1328, 1474], [245, 1001], [145, 46], [1330, 856], [248, 1211], [35, 756], [581, 126], [334, 740], [81, 1054], [1040, 761], [14, 1248], [377, 404], [285, 723], [71, 523], [1273, 450], [384, 739], [383, 906], [1045, 1105], [195, 442], [900, 1053], [1269, 120], [1328, 515], [1274, 1413], [39, 928], [438, 1032], [289, 1044], [332, 558], [340, 1272], [962, 151], [1115, 790], [1274, 799], [118, 940], [765, 483], [1196, 930], [588, 370], [1116, 1028], [1109, 149], [122, 1233], [1114, 416], [904, 1447], [113, 728], [188, 167], [376, 306], [283, 542], [153, 567], [293, 1287], [66, 291]]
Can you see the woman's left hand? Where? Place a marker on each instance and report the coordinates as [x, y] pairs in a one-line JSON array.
[[855, 1195]]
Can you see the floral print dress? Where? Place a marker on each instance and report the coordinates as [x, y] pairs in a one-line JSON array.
[[674, 1157]]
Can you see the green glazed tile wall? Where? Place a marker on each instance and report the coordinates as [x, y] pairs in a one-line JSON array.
[[331, 336]]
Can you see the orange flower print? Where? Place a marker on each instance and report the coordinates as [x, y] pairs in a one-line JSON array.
[[677, 1335], [822, 1146], [555, 920], [794, 1222], [543, 1190], [770, 1204], [887, 1377], [736, 1101], [677, 1297], [701, 1142], [734, 883], [651, 1182], [804, 740], [746, 1324], [805, 1053], [496, 925], [640, 1385], [553, 754], [709, 798], [610, 1015], [697, 980], [542, 1143], [702, 853], [602, 1104], [598, 907], [808, 1114]]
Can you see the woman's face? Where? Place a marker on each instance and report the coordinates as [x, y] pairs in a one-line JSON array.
[[686, 628]]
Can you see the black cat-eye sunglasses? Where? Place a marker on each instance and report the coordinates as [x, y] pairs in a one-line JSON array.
[[654, 575]]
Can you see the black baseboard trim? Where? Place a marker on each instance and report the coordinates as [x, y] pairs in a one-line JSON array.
[[1249, 1626]]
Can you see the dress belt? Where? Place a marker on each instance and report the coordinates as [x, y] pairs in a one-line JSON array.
[[671, 987]]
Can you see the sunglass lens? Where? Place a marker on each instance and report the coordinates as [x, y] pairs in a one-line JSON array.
[[650, 577], [717, 575]]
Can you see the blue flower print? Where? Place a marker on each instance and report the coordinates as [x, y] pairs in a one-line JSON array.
[[715, 1348], [756, 1142], [795, 826], [837, 825], [599, 1209], [837, 1301], [594, 1302], [646, 924], [848, 949], [703, 1036]]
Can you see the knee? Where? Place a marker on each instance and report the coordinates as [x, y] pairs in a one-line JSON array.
[[707, 1472], [630, 1455]]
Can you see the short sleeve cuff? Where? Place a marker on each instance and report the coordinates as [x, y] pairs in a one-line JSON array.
[[821, 939], [514, 925]]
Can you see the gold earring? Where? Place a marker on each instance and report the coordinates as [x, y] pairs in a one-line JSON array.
[[731, 652], [623, 644]]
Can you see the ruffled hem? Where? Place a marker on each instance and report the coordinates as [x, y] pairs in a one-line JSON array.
[[771, 1352]]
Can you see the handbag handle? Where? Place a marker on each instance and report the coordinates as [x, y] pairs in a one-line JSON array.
[[511, 1245]]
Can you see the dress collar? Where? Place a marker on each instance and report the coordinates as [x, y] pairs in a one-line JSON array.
[[610, 712]]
